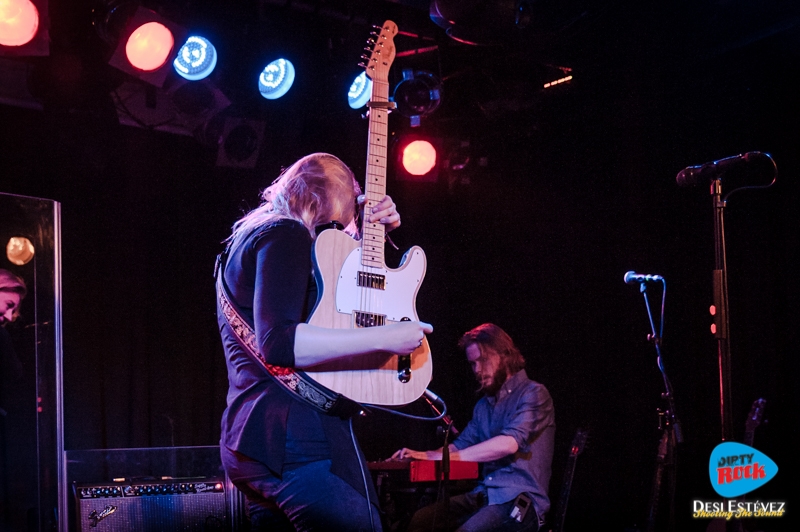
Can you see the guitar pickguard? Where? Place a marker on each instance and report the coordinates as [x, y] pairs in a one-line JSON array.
[[395, 300]]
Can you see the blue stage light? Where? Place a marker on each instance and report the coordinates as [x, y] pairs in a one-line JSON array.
[[196, 59], [360, 91], [276, 79]]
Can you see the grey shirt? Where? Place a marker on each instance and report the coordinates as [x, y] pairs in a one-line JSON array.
[[522, 409]]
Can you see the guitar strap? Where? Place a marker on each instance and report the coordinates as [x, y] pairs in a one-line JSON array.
[[296, 383]]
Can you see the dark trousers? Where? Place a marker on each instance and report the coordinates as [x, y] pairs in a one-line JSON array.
[[470, 512], [309, 498]]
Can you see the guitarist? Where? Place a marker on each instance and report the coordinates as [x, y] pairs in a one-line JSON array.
[[511, 433], [283, 445]]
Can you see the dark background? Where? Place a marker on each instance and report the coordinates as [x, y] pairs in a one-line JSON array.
[[578, 187]]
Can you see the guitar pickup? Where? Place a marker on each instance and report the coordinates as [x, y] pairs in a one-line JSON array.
[[368, 319], [372, 280]]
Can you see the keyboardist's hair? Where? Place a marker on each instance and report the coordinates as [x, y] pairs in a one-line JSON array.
[[490, 336]]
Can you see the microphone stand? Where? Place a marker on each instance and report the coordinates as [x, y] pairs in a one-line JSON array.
[[720, 311], [672, 434], [721, 328], [447, 429], [444, 487]]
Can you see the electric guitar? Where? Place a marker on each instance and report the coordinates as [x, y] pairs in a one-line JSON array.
[[355, 286], [578, 444], [753, 420]]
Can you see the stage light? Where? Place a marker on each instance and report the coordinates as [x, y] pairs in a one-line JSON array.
[[19, 249], [197, 102], [19, 21], [417, 95], [196, 59], [276, 79], [149, 46], [146, 45], [419, 157], [240, 142], [23, 27], [360, 91]]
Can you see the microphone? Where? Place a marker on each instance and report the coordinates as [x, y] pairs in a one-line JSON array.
[[431, 398], [693, 175], [633, 277]]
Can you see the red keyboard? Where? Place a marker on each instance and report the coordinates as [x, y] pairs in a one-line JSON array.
[[428, 470]]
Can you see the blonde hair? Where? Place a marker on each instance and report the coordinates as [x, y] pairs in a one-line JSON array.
[[315, 190], [10, 282]]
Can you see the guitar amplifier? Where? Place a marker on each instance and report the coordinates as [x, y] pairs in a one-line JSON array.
[[188, 504]]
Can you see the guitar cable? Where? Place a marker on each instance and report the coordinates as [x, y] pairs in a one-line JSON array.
[[430, 397], [363, 476]]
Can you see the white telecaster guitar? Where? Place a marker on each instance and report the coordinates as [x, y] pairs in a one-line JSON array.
[[356, 287]]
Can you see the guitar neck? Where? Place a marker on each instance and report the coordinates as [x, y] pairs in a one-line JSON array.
[[566, 486], [373, 234]]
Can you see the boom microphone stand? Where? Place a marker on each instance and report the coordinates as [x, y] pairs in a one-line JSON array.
[[715, 171], [671, 434]]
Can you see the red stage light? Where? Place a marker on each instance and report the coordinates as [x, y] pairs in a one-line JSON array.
[[149, 46], [19, 22], [419, 157], [146, 46]]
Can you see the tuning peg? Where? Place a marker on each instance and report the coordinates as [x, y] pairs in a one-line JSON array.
[[362, 65], [364, 56], [371, 41]]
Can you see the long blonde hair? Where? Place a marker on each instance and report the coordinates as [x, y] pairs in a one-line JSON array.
[[315, 190], [10, 282]]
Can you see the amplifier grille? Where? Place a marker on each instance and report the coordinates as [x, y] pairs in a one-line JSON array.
[[157, 506]]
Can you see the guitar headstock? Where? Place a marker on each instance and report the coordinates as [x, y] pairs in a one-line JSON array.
[[381, 52], [579, 442], [755, 415]]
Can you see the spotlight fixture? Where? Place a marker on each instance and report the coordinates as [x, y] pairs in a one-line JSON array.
[[146, 45], [24, 28], [197, 102], [149, 46], [417, 158], [196, 59], [360, 91], [19, 250], [276, 79], [240, 143], [417, 95]]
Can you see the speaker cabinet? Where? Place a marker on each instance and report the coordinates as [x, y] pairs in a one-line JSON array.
[[152, 506]]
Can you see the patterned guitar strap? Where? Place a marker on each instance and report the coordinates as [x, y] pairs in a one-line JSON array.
[[296, 383]]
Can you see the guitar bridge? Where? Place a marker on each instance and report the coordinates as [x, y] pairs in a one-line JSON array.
[[368, 319], [372, 280]]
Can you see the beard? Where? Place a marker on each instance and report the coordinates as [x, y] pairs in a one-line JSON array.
[[492, 385]]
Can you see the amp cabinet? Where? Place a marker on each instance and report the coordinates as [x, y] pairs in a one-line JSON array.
[[188, 504]]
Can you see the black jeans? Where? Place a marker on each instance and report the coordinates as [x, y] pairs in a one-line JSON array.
[[470, 512]]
